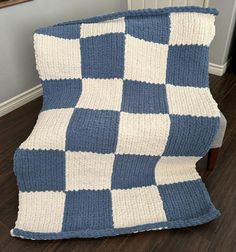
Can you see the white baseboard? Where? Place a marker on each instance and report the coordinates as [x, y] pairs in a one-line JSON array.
[[20, 100], [36, 91], [218, 69]]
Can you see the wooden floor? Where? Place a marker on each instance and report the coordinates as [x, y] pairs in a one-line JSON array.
[[219, 235]]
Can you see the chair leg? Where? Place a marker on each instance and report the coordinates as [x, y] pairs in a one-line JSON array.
[[212, 158]]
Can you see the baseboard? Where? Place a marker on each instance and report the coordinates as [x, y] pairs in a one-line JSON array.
[[19, 100], [219, 70]]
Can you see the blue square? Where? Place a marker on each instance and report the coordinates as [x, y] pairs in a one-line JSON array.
[[103, 56], [133, 171], [93, 130], [187, 65], [140, 97], [71, 31], [190, 135], [185, 200], [87, 210], [61, 93], [40, 170], [150, 28]]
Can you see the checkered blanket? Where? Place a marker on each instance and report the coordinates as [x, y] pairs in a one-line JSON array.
[[127, 113]]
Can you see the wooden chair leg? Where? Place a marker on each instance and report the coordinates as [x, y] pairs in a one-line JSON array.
[[212, 158]]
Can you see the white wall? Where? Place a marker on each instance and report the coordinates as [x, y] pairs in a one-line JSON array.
[[225, 25], [17, 23]]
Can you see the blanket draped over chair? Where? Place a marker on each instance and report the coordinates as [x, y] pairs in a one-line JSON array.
[[127, 113]]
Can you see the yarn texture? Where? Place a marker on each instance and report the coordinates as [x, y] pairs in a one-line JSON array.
[[127, 113]]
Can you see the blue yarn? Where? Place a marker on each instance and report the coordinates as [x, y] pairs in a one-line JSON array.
[[61, 93], [139, 97], [86, 131], [99, 216], [106, 48], [128, 171], [44, 167], [183, 65]]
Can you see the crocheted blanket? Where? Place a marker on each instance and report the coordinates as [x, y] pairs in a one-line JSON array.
[[127, 113]]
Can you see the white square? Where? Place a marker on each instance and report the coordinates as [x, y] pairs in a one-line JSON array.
[[96, 29], [191, 28], [41, 211], [143, 134], [49, 133], [137, 206], [57, 58], [145, 61], [170, 170], [101, 94], [88, 171], [191, 101]]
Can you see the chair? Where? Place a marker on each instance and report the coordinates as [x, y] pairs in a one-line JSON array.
[[217, 143]]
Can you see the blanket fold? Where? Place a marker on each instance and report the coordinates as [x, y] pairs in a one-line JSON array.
[[127, 113]]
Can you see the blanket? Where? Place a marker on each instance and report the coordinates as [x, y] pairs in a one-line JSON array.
[[127, 113]]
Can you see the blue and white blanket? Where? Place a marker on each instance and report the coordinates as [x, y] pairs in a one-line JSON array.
[[127, 113]]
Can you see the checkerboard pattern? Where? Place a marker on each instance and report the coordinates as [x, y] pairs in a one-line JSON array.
[[127, 113]]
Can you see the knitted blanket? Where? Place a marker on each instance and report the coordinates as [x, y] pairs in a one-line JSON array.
[[127, 113]]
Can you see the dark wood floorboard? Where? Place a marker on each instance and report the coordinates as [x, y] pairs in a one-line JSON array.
[[217, 236]]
